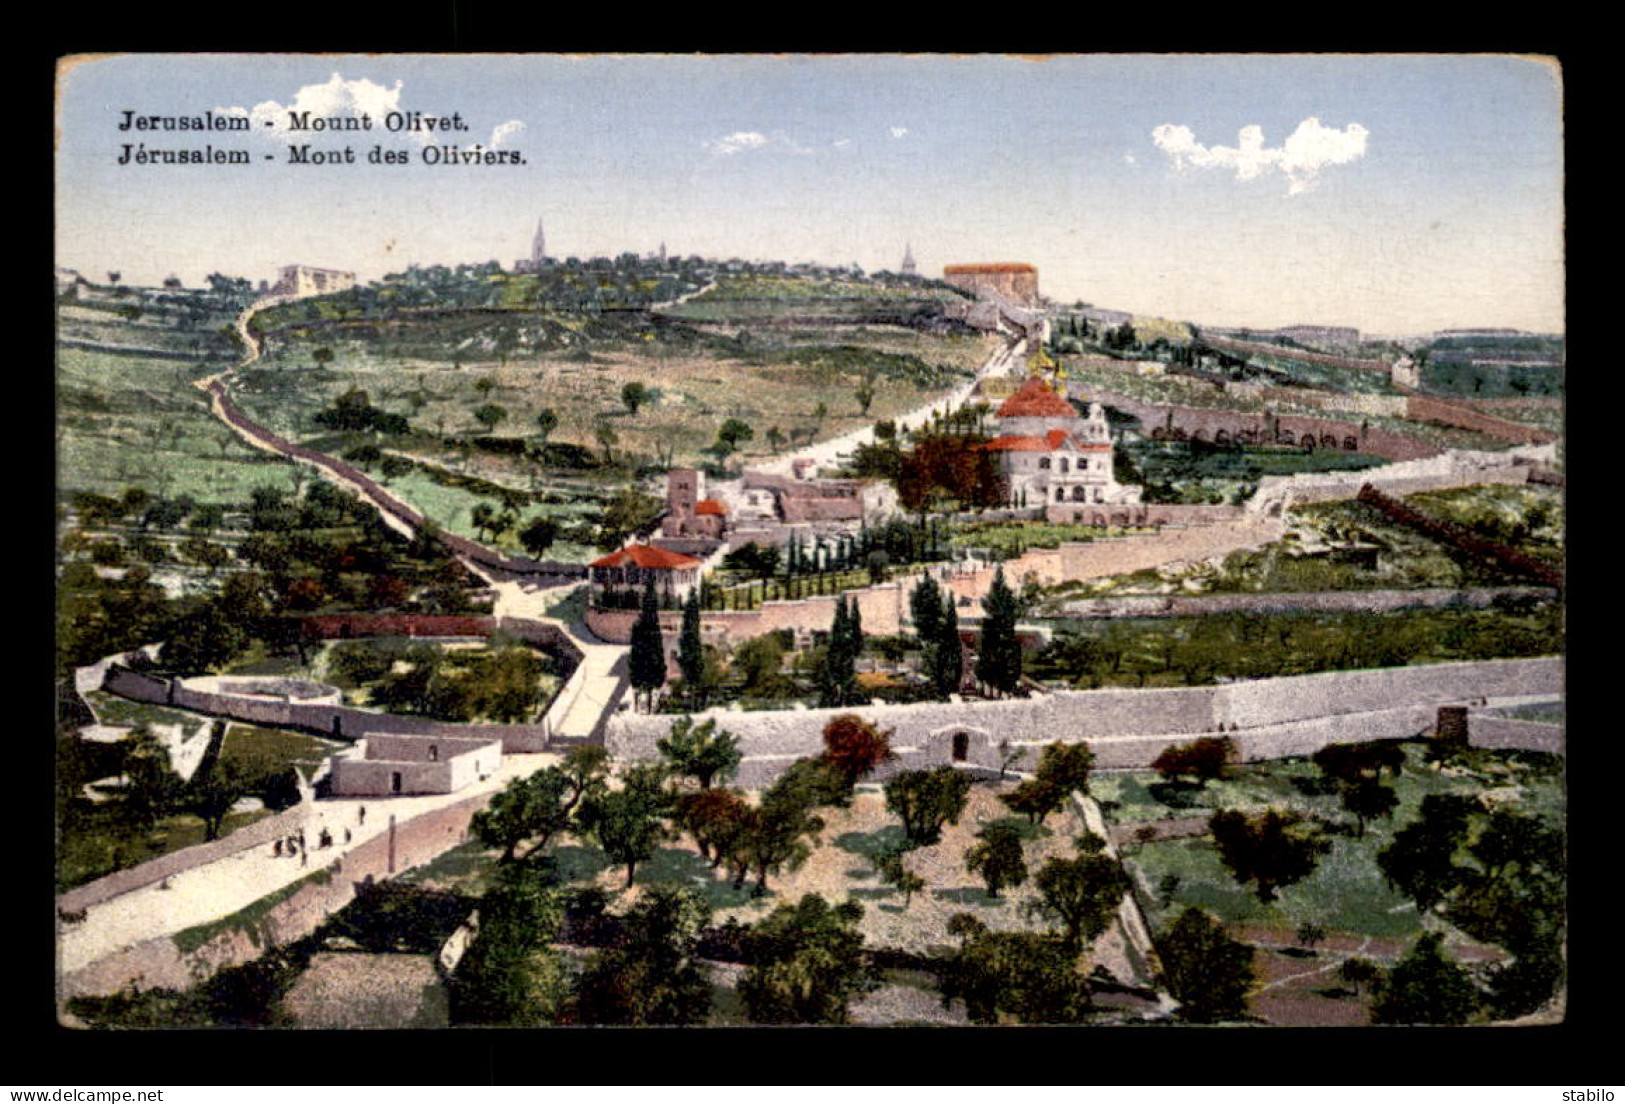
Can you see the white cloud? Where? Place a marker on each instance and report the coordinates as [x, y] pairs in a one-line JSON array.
[[338, 98], [1308, 150], [1128, 159], [898, 132], [841, 143], [506, 130], [742, 140]]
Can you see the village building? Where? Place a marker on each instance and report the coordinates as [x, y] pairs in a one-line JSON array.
[[1048, 454], [302, 281], [1013, 282], [634, 567], [384, 764], [689, 513]]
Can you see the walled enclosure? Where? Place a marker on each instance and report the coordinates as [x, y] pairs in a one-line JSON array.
[[346, 722], [1267, 718]]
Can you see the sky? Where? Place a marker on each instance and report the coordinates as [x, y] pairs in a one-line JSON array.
[[1394, 193]]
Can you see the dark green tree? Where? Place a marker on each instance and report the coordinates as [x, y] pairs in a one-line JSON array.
[[1420, 862], [700, 751], [633, 396], [212, 795], [1066, 766], [997, 857], [998, 663], [925, 800], [538, 536], [1425, 987], [651, 975], [838, 676], [489, 415], [1204, 759], [774, 837], [510, 976], [647, 661], [691, 652], [1367, 800], [925, 607], [946, 659], [204, 640], [1271, 849], [626, 824], [1083, 893], [806, 964], [1206, 970], [1026, 977], [1034, 799], [536, 807]]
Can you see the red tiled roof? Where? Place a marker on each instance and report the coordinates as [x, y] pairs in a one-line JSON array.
[[1035, 400], [642, 555], [1056, 438], [1009, 443], [978, 269], [711, 506]]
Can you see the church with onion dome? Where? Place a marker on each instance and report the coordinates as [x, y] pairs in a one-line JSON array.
[[1049, 454]]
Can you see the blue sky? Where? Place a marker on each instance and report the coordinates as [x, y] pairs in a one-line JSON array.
[[1393, 193]]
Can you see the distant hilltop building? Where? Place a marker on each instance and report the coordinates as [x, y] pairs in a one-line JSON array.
[[302, 281], [1017, 283], [909, 268], [538, 252]]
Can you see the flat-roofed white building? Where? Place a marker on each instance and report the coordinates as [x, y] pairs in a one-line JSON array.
[[382, 764]]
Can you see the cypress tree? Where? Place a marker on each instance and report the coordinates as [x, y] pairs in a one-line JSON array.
[[648, 658], [947, 657], [690, 650], [925, 604], [999, 662], [839, 658]]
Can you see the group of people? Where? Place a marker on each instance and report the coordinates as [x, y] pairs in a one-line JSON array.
[[296, 845]]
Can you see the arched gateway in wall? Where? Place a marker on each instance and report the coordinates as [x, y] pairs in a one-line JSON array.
[[959, 744]]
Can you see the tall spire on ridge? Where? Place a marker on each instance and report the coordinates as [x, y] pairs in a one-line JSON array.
[[538, 247], [909, 268]]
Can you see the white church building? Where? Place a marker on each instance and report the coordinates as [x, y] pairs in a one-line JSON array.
[[1050, 455]]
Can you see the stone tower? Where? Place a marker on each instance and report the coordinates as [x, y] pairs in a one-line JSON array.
[[909, 268], [538, 247]]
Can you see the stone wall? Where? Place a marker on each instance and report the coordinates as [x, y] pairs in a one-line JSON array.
[[1508, 732], [1138, 515], [162, 963], [1390, 406], [1174, 605], [1166, 421], [1424, 409], [336, 721], [1268, 718], [262, 831], [1447, 471]]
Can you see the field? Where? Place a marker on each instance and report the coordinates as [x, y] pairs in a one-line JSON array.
[[1346, 895], [1087, 653], [1347, 892], [838, 868], [131, 420], [772, 387]]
